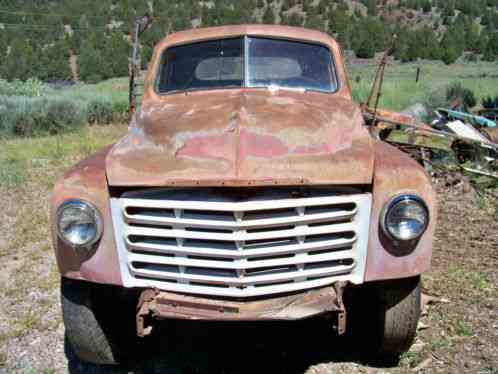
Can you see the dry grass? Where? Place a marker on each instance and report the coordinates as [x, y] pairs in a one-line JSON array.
[[29, 278]]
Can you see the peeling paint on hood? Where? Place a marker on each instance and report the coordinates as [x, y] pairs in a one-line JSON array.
[[244, 137]]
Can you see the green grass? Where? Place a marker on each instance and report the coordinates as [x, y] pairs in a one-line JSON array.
[[401, 90], [462, 328], [39, 154]]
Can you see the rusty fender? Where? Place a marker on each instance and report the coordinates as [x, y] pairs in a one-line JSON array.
[[163, 305], [87, 181], [397, 173]]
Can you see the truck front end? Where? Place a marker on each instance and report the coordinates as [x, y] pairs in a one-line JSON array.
[[248, 188]]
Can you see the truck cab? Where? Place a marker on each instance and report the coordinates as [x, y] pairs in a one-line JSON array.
[[247, 188]]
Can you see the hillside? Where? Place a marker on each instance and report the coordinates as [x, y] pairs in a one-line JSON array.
[[39, 38]]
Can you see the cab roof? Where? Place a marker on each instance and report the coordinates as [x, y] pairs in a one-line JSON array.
[[284, 32]]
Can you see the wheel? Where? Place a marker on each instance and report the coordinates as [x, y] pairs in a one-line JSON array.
[[397, 312], [91, 329], [384, 316]]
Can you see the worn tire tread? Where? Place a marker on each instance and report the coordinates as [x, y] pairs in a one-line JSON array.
[[399, 313], [83, 330]]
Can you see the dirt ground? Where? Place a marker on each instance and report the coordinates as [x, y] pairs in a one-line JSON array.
[[457, 334]]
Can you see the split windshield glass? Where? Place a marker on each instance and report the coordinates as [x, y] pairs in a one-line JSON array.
[[247, 62]]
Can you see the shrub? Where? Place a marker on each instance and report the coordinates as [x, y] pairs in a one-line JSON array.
[[7, 115], [120, 110], [100, 111], [32, 87], [490, 102], [456, 92], [26, 116], [62, 114]]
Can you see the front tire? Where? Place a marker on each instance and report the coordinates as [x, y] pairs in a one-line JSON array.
[[397, 313], [384, 316], [91, 332]]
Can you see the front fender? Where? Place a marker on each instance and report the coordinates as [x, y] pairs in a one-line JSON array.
[[396, 173], [87, 181]]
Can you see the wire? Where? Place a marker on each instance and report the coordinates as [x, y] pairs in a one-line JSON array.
[[47, 27], [156, 16], [20, 13]]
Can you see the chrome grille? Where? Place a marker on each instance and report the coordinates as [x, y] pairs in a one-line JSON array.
[[206, 241]]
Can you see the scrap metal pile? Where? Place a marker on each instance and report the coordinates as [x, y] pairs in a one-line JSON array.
[[455, 141]]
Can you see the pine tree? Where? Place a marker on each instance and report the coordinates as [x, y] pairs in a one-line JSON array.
[[116, 54], [491, 50], [22, 62], [90, 61], [55, 59], [269, 17]]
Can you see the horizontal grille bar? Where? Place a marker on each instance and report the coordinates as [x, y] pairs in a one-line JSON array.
[[235, 282], [251, 224], [243, 206], [241, 264], [239, 236], [234, 254], [235, 292]]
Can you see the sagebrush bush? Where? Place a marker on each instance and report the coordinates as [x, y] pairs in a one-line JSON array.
[[100, 111], [33, 108], [63, 114], [31, 88], [456, 92], [7, 122], [25, 116], [120, 110]]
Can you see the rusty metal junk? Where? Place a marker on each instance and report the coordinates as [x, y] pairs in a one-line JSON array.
[[157, 304], [462, 141]]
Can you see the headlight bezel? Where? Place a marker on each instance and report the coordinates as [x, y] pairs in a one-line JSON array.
[[394, 201], [89, 209]]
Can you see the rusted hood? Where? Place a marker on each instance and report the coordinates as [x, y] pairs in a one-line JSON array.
[[244, 137]]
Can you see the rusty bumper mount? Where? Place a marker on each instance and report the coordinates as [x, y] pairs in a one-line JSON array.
[[155, 304]]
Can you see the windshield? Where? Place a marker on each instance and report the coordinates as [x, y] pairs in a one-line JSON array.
[[270, 63]]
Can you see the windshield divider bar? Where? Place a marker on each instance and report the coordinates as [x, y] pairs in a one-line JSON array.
[[246, 61]]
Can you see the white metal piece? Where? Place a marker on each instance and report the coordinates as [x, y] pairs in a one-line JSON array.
[[212, 245], [466, 131]]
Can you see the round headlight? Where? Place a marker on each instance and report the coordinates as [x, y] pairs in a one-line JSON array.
[[79, 224], [405, 218]]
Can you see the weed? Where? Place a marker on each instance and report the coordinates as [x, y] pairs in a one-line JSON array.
[[456, 273], [463, 329], [480, 281], [12, 172], [28, 322], [438, 344], [3, 358], [410, 359]]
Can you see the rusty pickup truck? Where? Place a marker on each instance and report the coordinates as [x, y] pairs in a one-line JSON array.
[[247, 188]]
